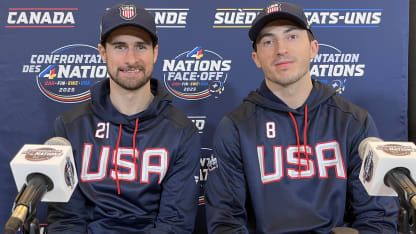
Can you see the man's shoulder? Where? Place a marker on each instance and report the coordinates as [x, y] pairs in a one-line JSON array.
[[243, 112], [347, 107], [177, 117], [76, 112]]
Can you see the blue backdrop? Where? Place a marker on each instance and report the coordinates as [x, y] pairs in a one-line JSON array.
[[49, 59]]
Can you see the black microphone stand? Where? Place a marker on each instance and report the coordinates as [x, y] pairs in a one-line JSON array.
[[399, 179], [26, 203], [31, 225]]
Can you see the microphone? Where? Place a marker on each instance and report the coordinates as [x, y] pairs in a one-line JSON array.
[[344, 230], [386, 168], [44, 173]]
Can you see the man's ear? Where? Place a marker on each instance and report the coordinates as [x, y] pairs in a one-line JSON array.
[[314, 48], [155, 53], [101, 50], [254, 56]]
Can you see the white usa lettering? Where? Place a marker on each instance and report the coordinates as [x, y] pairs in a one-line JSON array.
[[148, 168], [129, 172], [292, 160], [323, 163], [131, 175], [278, 165]]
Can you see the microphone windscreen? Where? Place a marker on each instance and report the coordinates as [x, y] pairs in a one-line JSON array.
[[57, 141], [344, 230], [363, 145]]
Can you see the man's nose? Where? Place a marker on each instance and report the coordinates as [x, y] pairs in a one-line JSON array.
[[131, 56]]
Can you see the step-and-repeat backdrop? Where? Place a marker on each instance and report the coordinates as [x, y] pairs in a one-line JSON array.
[[49, 59]]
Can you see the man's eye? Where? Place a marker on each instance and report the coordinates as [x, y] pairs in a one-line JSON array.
[[268, 42], [293, 36]]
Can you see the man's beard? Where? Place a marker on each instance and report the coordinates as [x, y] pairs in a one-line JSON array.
[[131, 85], [285, 82]]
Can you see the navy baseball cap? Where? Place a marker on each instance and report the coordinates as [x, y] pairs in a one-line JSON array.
[[127, 14], [275, 11]]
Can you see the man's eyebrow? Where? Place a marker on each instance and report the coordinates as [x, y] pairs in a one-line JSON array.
[[125, 43], [143, 42], [288, 30], [264, 35], [291, 29], [117, 43]]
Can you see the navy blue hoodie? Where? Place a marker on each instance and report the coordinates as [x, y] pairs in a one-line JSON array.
[[151, 189], [264, 182]]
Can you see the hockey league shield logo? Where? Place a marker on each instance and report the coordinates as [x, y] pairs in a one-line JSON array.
[[128, 12], [69, 173], [273, 8], [368, 167]]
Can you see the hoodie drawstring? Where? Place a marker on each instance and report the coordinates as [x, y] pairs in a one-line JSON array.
[[118, 142], [304, 139], [134, 152], [134, 144]]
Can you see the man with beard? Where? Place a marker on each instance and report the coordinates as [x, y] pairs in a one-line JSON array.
[[287, 157], [136, 155]]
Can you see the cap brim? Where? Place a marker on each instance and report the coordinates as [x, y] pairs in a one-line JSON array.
[[106, 34], [258, 26]]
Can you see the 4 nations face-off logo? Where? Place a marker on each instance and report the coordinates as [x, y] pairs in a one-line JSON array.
[[196, 74], [65, 75], [42, 154], [335, 67]]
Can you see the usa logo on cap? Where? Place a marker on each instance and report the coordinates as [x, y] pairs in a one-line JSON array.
[[128, 12], [273, 8]]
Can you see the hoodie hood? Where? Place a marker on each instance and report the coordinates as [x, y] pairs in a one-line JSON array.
[[102, 106], [265, 98]]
